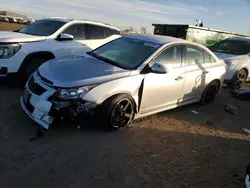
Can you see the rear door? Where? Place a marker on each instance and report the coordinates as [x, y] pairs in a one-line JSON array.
[[199, 71]]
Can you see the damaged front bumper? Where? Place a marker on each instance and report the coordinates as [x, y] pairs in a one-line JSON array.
[[41, 117], [43, 107]]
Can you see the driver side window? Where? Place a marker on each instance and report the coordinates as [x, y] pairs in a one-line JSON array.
[[171, 56], [77, 31]]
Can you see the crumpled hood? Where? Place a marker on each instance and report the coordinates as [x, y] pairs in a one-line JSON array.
[[76, 71], [15, 37]]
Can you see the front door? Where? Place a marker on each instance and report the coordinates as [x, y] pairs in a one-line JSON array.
[[163, 90], [78, 31]]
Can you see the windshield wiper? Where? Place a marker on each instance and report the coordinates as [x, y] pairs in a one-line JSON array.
[[105, 59]]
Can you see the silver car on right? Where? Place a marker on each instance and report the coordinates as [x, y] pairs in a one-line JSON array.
[[236, 54]]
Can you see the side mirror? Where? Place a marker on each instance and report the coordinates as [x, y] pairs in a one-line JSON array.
[[158, 68], [64, 36]]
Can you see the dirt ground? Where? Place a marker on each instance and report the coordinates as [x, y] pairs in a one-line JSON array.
[[176, 148], [10, 26]]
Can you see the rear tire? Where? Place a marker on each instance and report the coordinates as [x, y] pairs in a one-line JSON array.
[[31, 67], [210, 92], [238, 79], [116, 113]]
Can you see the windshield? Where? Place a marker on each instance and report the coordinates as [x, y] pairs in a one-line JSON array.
[[237, 47], [125, 52], [42, 28]]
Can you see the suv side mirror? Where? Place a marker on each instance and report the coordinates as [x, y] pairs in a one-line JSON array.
[[64, 36], [158, 68]]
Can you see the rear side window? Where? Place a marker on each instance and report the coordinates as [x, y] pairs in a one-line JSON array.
[[96, 32], [196, 55], [208, 58], [113, 31], [77, 31]]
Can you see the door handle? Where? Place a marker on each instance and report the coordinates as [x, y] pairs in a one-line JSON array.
[[205, 72], [179, 78]]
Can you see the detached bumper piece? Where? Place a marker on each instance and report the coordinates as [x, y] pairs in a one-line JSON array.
[[38, 115]]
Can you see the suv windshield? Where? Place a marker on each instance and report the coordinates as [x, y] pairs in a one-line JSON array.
[[42, 28], [237, 47], [127, 53]]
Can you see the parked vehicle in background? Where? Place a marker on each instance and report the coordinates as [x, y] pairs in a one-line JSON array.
[[30, 21], [236, 54], [201, 35], [4, 19], [131, 77], [20, 21], [24, 50], [12, 20]]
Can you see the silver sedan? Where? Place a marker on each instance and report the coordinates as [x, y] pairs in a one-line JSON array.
[[131, 77]]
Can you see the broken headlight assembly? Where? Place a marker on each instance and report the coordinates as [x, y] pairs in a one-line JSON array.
[[73, 93], [8, 50]]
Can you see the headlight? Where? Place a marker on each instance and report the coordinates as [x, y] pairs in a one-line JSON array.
[[74, 93], [7, 51]]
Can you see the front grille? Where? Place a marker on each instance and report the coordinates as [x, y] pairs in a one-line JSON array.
[[30, 107], [35, 88]]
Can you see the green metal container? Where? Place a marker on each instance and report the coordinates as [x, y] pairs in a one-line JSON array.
[[191, 33]]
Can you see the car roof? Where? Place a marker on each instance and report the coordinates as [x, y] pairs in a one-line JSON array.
[[66, 20], [157, 39], [246, 39]]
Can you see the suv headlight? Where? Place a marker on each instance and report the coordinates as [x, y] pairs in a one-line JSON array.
[[8, 50], [74, 93]]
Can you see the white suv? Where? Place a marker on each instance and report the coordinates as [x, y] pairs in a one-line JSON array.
[[24, 50]]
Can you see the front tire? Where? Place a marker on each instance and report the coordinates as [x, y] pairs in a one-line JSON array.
[[238, 79], [210, 92], [117, 112]]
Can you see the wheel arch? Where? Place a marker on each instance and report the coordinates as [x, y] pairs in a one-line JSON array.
[[219, 83], [247, 71], [121, 93], [45, 54]]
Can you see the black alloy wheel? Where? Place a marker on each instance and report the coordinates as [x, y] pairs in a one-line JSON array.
[[210, 92], [122, 114]]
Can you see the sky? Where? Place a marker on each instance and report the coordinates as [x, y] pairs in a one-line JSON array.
[[229, 15]]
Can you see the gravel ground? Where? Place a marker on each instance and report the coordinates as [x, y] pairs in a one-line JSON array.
[[176, 148], [10, 26]]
